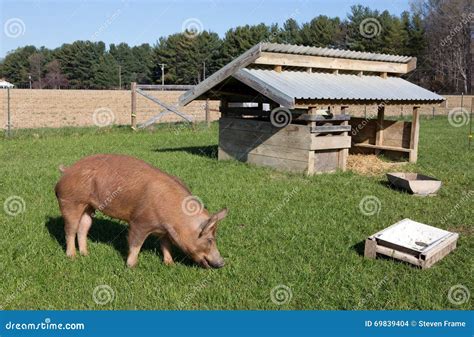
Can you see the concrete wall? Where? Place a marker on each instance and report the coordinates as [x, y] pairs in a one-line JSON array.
[[60, 108]]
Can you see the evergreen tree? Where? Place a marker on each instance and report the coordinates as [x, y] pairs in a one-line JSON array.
[[291, 32], [238, 40], [16, 66], [106, 73], [365, 29], [142, 65], [322, 31], [77, 60]]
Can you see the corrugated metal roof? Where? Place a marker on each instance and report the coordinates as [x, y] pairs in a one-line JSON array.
[[322, 86], [331, 52]]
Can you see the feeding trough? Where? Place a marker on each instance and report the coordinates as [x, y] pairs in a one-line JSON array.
[[415, 183], [412, 242]]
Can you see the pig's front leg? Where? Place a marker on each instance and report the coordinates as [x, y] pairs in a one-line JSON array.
[[136, 237], [166, 250]]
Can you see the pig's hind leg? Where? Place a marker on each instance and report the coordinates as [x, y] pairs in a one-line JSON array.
[[84, 226], [72, 214]]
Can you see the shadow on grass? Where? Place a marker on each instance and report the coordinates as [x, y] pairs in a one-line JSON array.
[[209, 151], [359, 248], [112, 233], [387, 184]]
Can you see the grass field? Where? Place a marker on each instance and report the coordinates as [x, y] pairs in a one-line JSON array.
[[301, 237]]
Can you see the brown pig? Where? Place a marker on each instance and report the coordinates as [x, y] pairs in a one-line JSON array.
[[149, 200]]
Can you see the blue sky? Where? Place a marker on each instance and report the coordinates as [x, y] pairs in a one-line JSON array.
[[52, 23]]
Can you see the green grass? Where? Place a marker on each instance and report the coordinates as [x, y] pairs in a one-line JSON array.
[[283, 229]]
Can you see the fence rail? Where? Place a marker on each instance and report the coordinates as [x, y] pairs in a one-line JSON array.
[[39, 108], [178, 87]]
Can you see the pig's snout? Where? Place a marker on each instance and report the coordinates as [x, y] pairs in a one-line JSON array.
[[217, 264], [213, 260]]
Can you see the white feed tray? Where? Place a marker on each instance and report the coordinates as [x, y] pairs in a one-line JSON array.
[[412, 242], [413, 235]]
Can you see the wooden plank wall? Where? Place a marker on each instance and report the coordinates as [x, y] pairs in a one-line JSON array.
[[395, 133], [291, 148], [261, 143]]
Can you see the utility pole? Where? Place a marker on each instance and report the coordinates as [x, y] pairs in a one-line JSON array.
[[162, 75], [120, 76], [203, 70], [29, 78]]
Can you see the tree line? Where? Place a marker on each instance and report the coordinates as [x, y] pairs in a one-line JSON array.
[[435, 31]]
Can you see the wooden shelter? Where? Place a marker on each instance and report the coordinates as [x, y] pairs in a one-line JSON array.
[[289, 106]]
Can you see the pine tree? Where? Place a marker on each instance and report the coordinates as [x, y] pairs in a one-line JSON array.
[[106, 75], [322, 31], [16, 67]]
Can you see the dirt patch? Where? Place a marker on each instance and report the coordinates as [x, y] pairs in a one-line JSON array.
[[369, 165]]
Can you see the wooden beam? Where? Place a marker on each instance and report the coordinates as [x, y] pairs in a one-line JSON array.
[[414, 135], [411, 65], [240, 62], [382, 147], [333, 63], [177, 87], [168, 107], [330, 128]]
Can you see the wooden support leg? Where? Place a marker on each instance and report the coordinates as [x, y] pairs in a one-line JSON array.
[[370, 250], [344, 153], [379, 132], [414, 136]]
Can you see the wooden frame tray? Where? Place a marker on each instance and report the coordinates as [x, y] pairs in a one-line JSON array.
[[412, 242]]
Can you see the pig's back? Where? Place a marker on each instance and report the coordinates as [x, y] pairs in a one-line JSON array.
[[117, 185]]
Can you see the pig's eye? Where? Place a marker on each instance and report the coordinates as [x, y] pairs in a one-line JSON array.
[[210, 241]]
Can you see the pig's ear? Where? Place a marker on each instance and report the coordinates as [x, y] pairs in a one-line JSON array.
[[221, 214], [211, 224]]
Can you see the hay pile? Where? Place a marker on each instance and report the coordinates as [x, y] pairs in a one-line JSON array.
[[369, 165]]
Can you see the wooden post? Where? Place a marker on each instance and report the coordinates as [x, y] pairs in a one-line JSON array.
[[278, 68], [384, 75], [414, 136], [344, 153], [9, 122], [470, 124], [133, 114], [208, 117], [379, 130]]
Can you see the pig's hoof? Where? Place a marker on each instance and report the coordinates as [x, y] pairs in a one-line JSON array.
[[84, 253], [131, 264], [71, 255], [168, 262]]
